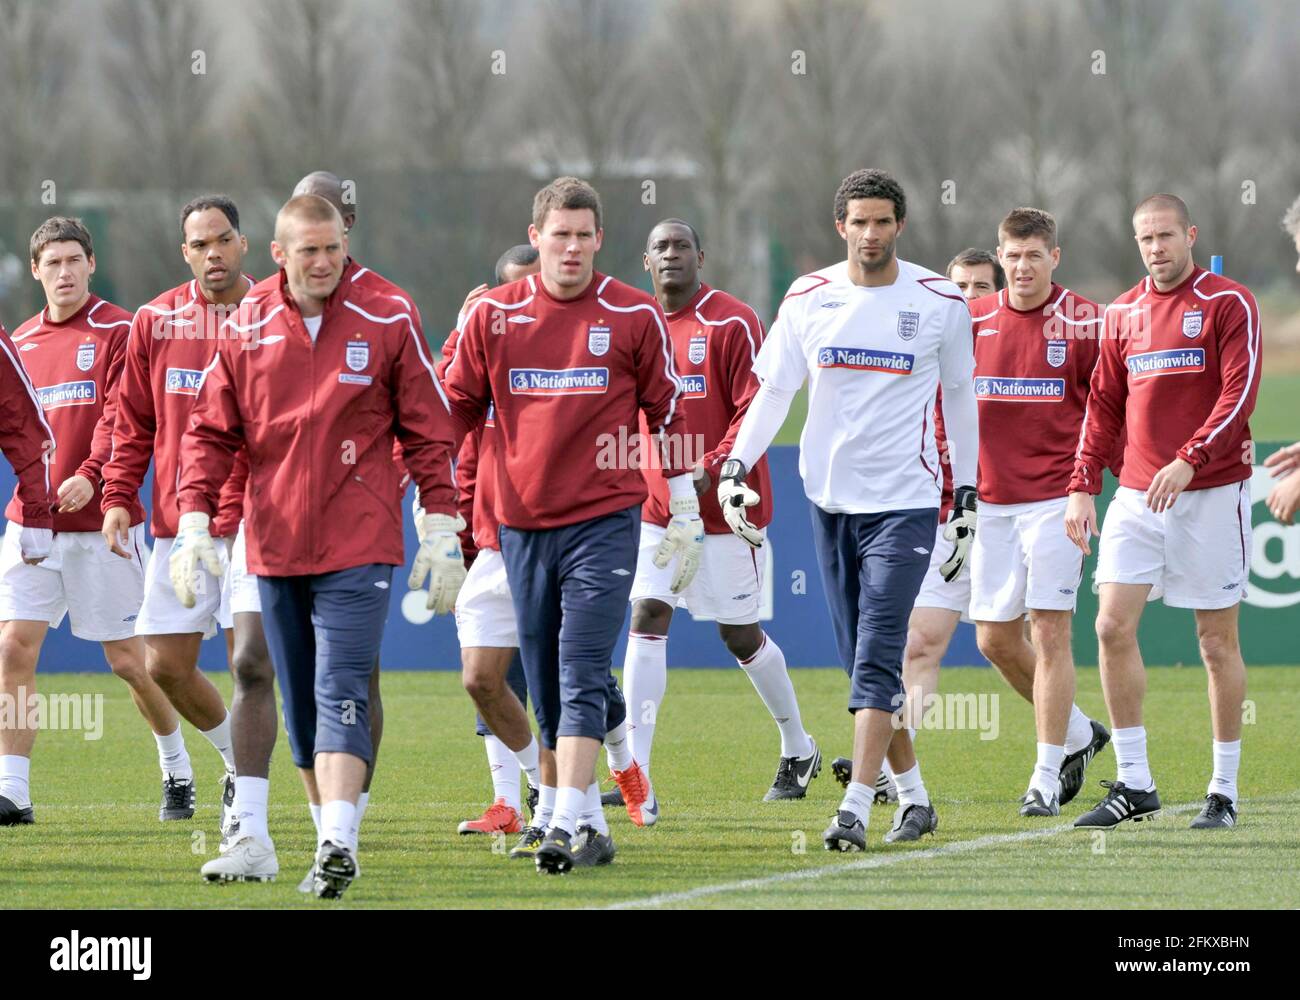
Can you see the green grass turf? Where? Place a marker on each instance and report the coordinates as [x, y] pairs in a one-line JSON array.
[[98, 843], [1275, 417]]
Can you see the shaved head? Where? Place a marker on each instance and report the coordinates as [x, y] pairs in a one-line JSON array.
[[304, 208], [329, 186], [1165, 202]]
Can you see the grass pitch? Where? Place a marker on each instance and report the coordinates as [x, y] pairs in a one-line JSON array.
[[97, 841]]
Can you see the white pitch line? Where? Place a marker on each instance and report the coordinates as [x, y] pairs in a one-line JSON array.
[[863, 864]]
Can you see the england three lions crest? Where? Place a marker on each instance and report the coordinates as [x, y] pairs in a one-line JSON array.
[[86, 356], [598, 340], [1192, 323], [695, 351], [908, 324], [1056, 353], [358, 355]]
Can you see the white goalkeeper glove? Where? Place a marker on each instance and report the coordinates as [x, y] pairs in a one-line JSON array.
[[193, 545], [960, 530], [35, 544], [439, 558], [734, 496], [683, 540]]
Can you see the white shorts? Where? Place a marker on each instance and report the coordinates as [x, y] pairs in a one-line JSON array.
[[80, 577], [162, 613], [1194, 555], [240, 584], [1023, 560], [936, 592], [728, 588], [485, 612]]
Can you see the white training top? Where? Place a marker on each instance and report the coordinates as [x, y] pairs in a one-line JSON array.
[[874, 359]]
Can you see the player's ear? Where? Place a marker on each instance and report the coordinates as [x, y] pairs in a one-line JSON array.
[[243, 243], [902, 224], [645, 262], [1056, 256], [1191, 236], [839, 228], [90, 264], [534, 236], [600, 237], [277, 254]]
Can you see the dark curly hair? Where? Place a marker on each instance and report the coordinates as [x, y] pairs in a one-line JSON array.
[[869, 183]]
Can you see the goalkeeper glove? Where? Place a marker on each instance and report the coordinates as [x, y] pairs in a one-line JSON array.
[[734, 496], [193, 545], [439, 558], [960, 530], [683, 539]]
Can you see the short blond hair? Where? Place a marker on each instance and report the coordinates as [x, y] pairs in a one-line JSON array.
[[565, 192], [305, 208], [1155, 202]]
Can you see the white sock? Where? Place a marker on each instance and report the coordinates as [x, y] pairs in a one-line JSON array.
[[1047, 771], [219, 737], [15, 779], [618, 753], [568, 803], [251, 795], [768, 673], [645, 676], [1227, 759], [527, 758], [545, 806], [363, 800], [911, 789], [505, 771], [1078, 733], [593, 814], [857, 800], [336, 819], [173, 758], [1131, 753], [315, 819]]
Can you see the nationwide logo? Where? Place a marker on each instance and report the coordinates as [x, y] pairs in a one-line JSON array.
[[67, 394], [694, 386], [558, 381], [1180, 362], [183, 381], [1020, 390], [864, 359]]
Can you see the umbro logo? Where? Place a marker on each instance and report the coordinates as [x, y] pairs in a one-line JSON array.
[[920, 551], [381, 584], [522, 319], [621, 572], [831, 305]]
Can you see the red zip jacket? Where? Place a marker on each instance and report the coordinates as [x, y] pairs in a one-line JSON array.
[[1179, 371], [715, 339], [75, 366], [566, 380], [474, 493], [318, 420], [25, 438], [172, 340]]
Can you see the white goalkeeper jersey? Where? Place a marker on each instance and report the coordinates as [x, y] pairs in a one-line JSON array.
[[874, 359]]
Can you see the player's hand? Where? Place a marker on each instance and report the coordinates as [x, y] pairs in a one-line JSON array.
[[75, 493], [35, 544], [1285, 498], [439, 558], [683, 540], [1167, 484], [117, 531], [1284, 461], [193, 545], [469, 299], [735, 496], [960, 530], [1081, 520]]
